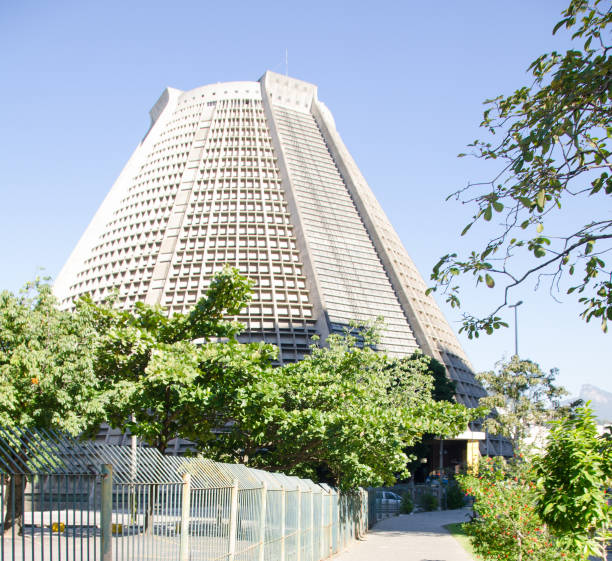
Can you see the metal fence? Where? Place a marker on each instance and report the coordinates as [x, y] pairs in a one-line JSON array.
[[69, 500], [379, 508]]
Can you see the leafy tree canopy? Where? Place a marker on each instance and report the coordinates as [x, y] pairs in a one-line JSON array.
[[441, 386], [344, 414], [444, 389], [150, 364], [575, 477], [47, 376], [552, 143], [522, 397]]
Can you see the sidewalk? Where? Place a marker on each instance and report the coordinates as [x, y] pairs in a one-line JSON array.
[[415, 537]]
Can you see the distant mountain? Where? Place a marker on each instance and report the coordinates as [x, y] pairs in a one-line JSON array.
[[601, 401]]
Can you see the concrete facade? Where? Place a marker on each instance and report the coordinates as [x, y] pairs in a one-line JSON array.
[[254, 174]]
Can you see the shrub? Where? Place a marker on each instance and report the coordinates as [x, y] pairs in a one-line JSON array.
[[454, 497], [507, 526], [407, 506], [429, 501], [576, 474]]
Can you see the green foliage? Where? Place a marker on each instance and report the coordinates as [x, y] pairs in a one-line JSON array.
[[429, 501], [553, 147], [522, 397], [441, 386], [444, 389], [454, 497], [153, 374], [407, 505], [47, 378], [344, 414], [507, 526], [575, 475]]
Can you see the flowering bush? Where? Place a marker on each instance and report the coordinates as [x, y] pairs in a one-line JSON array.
[[575, 479], [506, 525]]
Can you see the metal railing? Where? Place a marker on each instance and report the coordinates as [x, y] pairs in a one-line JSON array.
[[379, 508], [69, 500]]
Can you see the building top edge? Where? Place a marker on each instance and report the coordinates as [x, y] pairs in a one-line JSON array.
[[269, 74], [228, 90], [288, 92], [223, 90]]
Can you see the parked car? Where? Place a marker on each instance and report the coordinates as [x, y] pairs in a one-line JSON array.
[[388, 498]]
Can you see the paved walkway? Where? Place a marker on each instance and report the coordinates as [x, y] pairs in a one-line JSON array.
[[414, 537]]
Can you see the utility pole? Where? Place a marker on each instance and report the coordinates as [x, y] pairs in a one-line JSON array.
[[515, 306]]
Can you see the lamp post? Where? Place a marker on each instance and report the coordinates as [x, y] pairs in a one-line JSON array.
[[515, 306]]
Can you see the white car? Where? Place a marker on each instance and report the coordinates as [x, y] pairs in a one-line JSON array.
[[388, 498]]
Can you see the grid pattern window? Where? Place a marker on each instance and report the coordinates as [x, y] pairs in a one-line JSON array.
[[236, 213], [443, 341], [124, 257], [352, 278], [442, 337]]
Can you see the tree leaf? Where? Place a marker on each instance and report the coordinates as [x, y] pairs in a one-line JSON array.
[[465, 230]]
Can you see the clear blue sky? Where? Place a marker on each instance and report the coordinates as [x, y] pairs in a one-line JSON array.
[[404, 80]]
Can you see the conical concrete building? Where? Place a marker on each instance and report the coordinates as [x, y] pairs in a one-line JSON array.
[[254, 174]]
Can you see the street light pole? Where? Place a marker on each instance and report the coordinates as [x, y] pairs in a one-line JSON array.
[[515, 306]]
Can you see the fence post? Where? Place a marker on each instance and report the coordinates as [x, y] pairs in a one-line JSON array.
[[106, 552], [299, 524], [341, 527], [233, 522], [331, 522], [282, 521], [262, 521], [322, 541], [311, 525], [185, 515], [342, 505], [364, 513]]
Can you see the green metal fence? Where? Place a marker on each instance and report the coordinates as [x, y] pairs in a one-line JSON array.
[[69, 500]]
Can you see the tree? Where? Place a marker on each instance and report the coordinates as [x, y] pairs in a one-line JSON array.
[[444, 389], [47, 376], [409, 372], [344, 414], [552, 144], [522, 398], [150, 364], [575, 477], [47, 379]]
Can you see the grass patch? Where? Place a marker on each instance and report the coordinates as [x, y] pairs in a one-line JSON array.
[[457, 531]]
